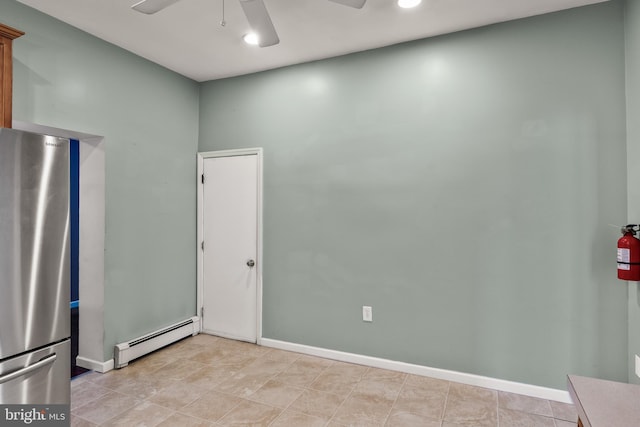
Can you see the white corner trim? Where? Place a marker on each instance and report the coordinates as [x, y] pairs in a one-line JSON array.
[[94, 365], [425, 371]]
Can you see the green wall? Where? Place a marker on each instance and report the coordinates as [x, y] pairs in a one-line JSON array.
[[148, 115], [632, 27], [463, 186]]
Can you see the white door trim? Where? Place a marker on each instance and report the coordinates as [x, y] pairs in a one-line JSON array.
[[200, 229]]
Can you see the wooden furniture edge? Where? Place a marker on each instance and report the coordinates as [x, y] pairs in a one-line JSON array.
[[7, 35], [9, 32]]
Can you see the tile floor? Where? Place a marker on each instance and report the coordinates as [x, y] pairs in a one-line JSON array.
[[210, 381]]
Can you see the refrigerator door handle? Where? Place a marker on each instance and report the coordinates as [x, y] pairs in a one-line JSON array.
[[24, 371]]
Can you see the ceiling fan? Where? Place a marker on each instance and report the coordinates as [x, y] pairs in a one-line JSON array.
[[255, 11]]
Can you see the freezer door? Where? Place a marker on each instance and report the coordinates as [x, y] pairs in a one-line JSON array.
[[34, 241], [41, 377]]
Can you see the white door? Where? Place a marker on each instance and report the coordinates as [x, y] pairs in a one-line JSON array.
[[230, 246]]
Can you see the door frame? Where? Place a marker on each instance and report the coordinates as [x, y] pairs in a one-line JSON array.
[[200, 228]]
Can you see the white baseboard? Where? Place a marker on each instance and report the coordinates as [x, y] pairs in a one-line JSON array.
[[94, 365], [425, 371]]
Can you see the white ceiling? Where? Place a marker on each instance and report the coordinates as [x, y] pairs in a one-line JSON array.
[[187, 37]]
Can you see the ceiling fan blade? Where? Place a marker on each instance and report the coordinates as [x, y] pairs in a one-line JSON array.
[[351, 3], [152, 6], [260, 22]]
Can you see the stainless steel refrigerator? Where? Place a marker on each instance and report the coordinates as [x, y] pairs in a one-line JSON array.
[[34, 269]]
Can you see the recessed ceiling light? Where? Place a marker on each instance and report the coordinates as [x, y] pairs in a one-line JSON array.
[[251, 38], [407, 4]]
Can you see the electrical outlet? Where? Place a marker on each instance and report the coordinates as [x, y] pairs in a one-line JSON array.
[[637, 365], [367, 313]]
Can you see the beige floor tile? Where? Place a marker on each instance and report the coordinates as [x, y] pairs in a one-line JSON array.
[[82, 378], [297, 378], [530, 405], [224, 354], [463, 424], [229, 344], [426, 398], [302, 372], [251, 414], [562, 423], [249, 348], [212, 406], [180, 369], [473, 414], [144, 388], [470, 422], [358, 411], [313, 361], [346, 369], [216, 382], [357, 423], [209, 356], [276, 393], [282, 356], [177, 395], [296, 419], [426, 382], [466, 391], [107, 407], [182, 420], [210, 376], [145, 414], [87, 376], [244, 383], [317, 403], [242, 349], [234, 361], [85, 392], [473, 406], [377, 388], [335, 383], [511, 418], [116, 378], [266, 365], [79, 422], [406, 419], [564, 411], [385, 375]]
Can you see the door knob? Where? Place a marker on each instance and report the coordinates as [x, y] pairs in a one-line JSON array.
[[251, 263]]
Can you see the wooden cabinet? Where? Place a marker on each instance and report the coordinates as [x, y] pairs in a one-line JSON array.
[[7, 35]]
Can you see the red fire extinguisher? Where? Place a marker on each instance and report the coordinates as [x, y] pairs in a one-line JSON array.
[[629, 254]]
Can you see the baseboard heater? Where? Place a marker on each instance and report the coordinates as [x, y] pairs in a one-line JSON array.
[[127, 351]]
